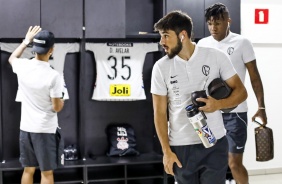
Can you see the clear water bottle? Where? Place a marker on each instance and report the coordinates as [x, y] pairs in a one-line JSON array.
[[197, 119]]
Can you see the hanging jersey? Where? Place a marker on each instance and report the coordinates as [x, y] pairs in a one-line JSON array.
[[119, 70], [58, 60], [10, 47]]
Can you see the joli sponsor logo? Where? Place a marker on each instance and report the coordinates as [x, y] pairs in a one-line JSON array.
[[120, 90]]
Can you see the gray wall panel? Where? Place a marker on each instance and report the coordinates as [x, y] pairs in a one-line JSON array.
[[64, 18], [16, 17], [105, 18], [194, 9], [141, 18]]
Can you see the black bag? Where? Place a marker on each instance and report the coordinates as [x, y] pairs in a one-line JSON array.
[[121, 140], [70, 152], [218, 89], [264, 143]]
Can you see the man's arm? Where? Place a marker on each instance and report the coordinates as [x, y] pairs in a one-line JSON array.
[[238, 95], [258, 90], [160, 119], [58, 104], [32, 31]]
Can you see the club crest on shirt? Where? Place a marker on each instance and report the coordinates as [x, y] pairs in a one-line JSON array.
[[230, 50]]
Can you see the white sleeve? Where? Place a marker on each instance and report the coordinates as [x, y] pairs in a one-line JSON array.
[[56, 88], [158, 85], [248, 53]]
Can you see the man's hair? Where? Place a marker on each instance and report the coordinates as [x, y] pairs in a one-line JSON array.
[[217, 11], [176, 21]]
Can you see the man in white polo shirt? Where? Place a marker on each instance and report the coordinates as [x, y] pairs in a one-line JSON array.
[[41, 92], [187, 68], [242, 56]]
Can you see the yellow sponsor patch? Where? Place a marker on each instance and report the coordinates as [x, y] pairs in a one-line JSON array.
[[120, 90]]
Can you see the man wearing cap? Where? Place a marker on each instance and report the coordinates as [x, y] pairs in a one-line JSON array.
[[41, 92]]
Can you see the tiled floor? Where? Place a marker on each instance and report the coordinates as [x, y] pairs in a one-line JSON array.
[[266, 179]]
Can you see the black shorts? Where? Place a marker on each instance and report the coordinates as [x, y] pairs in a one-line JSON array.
[[236, 127], [41, 149], [200, 164]]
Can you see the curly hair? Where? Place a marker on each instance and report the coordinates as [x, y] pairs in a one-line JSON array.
[[217, 11]]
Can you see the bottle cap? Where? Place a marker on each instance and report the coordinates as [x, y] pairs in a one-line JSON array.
[[191, 110]]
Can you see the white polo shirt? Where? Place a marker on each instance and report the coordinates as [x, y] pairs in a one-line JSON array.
[[38, 83], [240, 51], [177, 79]]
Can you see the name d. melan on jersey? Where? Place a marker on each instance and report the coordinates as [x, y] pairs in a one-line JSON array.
[[119, 50]]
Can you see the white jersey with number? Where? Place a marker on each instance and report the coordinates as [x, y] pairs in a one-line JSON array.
[[119, 70]]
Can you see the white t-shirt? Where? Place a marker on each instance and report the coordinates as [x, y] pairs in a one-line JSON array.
[[119, 70], [38, 83], [177, 79], [240, 51]]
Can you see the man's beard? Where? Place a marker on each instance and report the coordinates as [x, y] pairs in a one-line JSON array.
[[175, 50]]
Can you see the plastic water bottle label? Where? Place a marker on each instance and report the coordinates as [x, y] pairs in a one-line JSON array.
[[208, 134]]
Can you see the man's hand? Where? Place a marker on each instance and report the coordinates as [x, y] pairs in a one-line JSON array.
[[211, 104], [262, 115], [32, 31], [168, 160]]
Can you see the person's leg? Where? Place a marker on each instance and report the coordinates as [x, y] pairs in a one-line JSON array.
[[27, 177], [189, 171], [236, 126], [27, 157], [46, 153], [214, 163], [238, 170], [47, 177]]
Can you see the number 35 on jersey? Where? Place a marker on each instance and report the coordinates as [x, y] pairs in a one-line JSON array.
[[119, 70]]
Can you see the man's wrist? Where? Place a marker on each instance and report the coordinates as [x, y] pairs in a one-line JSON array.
[[26, 41], [261, 108]]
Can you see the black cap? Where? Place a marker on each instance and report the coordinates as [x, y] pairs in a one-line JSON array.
[[43, 41]]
